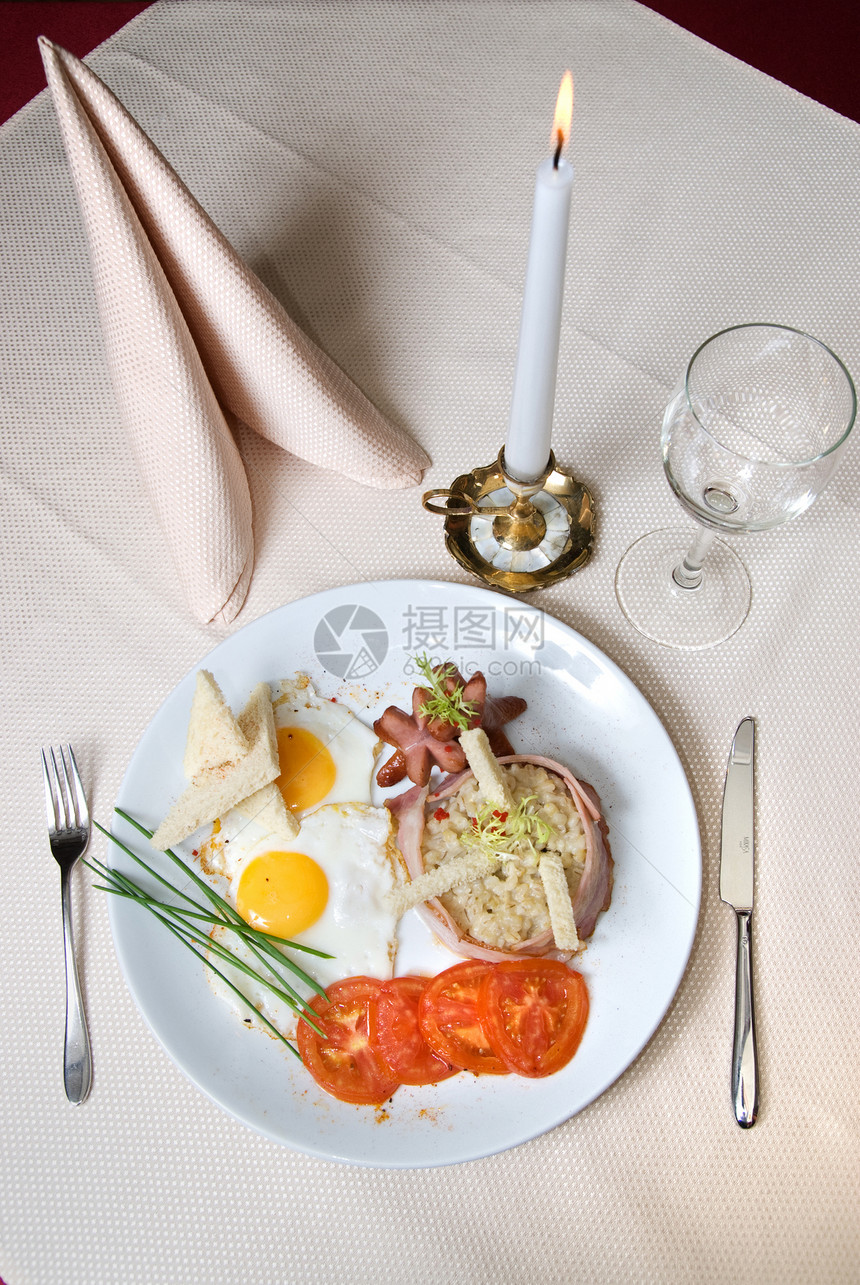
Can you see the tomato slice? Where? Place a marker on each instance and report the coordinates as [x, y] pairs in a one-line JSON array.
[[448, 1017], [534, 1013], [396, 1035], [344, 1063]]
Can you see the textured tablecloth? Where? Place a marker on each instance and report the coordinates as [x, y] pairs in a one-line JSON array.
[[374, 162]]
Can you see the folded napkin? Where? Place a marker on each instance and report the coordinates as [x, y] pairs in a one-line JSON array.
[[191, 335]]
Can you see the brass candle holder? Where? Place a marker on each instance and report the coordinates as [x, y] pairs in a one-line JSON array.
[[516, 535]]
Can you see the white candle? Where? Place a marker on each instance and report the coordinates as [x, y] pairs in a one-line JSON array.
[[527, 447]]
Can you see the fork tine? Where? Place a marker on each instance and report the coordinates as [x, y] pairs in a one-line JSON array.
[[82, 811], [50, 806], [68, 797], [62, 813]]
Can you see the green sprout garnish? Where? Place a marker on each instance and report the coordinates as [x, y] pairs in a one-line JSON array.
[[194, 923], [448, 706], [497, 833]]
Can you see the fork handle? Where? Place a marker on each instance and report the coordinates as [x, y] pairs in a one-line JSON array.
[[77, 1059]]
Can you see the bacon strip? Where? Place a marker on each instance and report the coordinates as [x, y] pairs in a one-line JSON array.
[[593, 894]]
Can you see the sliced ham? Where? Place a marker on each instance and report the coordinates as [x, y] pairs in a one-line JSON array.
[[593, 894]]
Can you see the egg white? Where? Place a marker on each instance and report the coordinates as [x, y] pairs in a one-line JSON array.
[[352, 745]]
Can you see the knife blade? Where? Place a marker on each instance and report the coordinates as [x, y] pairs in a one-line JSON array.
[[737, 864]]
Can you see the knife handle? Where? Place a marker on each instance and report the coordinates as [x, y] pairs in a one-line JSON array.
[[744, 1060]]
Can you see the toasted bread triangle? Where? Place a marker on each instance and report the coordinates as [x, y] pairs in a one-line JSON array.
[[217, 789], [214, 737], [268, 809]]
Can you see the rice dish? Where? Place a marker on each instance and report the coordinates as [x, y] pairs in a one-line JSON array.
[[508, 906]]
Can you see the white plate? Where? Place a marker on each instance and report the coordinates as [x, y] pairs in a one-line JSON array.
[[582, 711]]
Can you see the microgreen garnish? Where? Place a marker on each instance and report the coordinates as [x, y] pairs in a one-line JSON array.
[[447, 706], [518, 832], [192, 921]]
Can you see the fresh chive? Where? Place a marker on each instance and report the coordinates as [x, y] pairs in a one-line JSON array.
[[207, 962], [188, 935], [263, 946], [259, 943], [124, 887], [239, 926]]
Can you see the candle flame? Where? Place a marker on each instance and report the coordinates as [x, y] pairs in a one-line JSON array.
[[563, 113]]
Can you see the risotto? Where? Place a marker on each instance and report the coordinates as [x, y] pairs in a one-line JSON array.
[[507, 906]]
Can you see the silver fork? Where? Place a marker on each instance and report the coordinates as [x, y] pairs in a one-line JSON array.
[[69, 835]]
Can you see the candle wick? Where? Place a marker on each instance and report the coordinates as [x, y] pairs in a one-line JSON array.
[[557, 157]]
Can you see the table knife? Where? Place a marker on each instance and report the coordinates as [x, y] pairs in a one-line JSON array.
[[736, 889]]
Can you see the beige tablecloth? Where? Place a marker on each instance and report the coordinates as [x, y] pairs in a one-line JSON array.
[[373, 161]]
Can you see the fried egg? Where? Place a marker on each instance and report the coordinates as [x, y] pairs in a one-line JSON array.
[[331, 891], [326, 754]]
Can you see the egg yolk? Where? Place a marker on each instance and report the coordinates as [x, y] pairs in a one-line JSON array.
[[282, 893], [307, 769]]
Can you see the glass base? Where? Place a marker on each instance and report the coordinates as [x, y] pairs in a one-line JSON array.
[[690, 619]]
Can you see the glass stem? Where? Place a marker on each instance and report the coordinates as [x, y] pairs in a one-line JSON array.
[[688, 573]]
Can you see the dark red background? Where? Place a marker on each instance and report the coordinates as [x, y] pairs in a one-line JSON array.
[[77, 25], [812, 45]]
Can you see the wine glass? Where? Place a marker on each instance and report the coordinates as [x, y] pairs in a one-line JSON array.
[[751, 436]]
